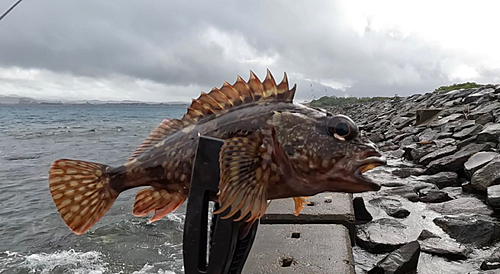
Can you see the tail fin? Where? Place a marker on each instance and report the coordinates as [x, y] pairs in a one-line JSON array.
[[81, 192]]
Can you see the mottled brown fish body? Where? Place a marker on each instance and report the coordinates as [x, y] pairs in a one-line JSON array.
[[169, 163], [272, 149]]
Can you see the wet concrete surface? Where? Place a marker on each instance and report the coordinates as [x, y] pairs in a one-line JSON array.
[[301, 248]]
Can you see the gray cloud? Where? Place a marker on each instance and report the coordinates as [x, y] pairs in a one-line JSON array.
[[110, 49]]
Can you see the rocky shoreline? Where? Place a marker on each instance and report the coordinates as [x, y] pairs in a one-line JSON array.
[[438, 209]]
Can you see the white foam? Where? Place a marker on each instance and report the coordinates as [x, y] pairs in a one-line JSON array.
[[176, 217], [147, 269], [12, 257], [79, 262]]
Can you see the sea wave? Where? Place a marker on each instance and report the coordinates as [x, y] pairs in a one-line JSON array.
[[71, 261]]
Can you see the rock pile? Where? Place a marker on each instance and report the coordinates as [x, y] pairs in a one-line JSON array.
[[442, 185]]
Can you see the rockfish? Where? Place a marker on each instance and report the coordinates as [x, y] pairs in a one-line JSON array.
[[272, 149]]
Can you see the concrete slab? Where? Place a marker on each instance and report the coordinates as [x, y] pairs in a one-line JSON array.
[[339, 210], [295, 248]]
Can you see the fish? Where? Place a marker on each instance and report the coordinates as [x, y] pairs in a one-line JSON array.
[[272, 148]]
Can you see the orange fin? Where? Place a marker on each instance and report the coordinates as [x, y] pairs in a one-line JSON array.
[[165, 128], [299, 204], [158, 200], [241, 92], [246, 170], [81, 192]]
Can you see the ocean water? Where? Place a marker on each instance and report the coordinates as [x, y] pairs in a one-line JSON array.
[[33, 237]]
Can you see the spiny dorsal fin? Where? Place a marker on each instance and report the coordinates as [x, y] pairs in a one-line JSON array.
[[241, 92], [165, 128], [219, 101]]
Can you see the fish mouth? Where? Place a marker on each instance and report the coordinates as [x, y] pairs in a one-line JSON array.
[[365, 165]]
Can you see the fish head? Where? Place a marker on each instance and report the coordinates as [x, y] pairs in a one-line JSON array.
[[326, 152]]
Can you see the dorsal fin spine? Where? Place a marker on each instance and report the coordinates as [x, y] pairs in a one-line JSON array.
[[230, 87], [255, 86], [269, 85], [246, 93], [221, 94], [212, 100]]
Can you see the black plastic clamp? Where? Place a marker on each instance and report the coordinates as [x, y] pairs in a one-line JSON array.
[[227, 254]]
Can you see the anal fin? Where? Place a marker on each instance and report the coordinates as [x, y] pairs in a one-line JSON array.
[[158, 200]]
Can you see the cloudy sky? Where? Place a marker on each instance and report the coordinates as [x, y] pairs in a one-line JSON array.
[[158, 50]]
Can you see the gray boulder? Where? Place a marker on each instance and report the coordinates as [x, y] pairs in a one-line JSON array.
[[382, 235], [470, 99], [492, 262], [376, 137], [445, 135], [433, 196], [482, 109], [493, 194], [445, 142], [428, 135], [462, 93], [484, 119], [398, 153], [446, 120], [455, 161], [402, 122], [433, 244], [439, 153], [478, 161], [417, 153], [470, 205], [474, 229], [441, 179], [487, 176], [468, 132], [455, 192], [397, 191], [392, 207], [408, 140], [406, 172], [401, 261], [464, 124], [490, 133], [465, 142]]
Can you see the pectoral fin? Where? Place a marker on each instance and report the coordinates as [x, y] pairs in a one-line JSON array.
[[299, 204], [246, 170]]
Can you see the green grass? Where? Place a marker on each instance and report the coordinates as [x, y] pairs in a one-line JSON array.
[[336, 101], [459, 86]]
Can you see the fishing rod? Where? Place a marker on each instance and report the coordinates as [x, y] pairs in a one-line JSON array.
[[9, 9]]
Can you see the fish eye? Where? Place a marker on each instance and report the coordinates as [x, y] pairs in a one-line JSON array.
[[342, 128]]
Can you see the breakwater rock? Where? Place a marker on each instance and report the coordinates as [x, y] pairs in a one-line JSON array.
[[441, 186]]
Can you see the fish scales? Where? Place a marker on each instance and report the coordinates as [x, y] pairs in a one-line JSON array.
[[272, 149], [178, 150]]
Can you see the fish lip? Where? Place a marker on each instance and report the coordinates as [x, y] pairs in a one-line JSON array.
[[360, 165], [378, 160]]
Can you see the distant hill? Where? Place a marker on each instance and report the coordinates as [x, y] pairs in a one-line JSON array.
[[18, 100]]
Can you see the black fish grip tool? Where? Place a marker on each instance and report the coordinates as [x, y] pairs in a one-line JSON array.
[[227, 254]]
